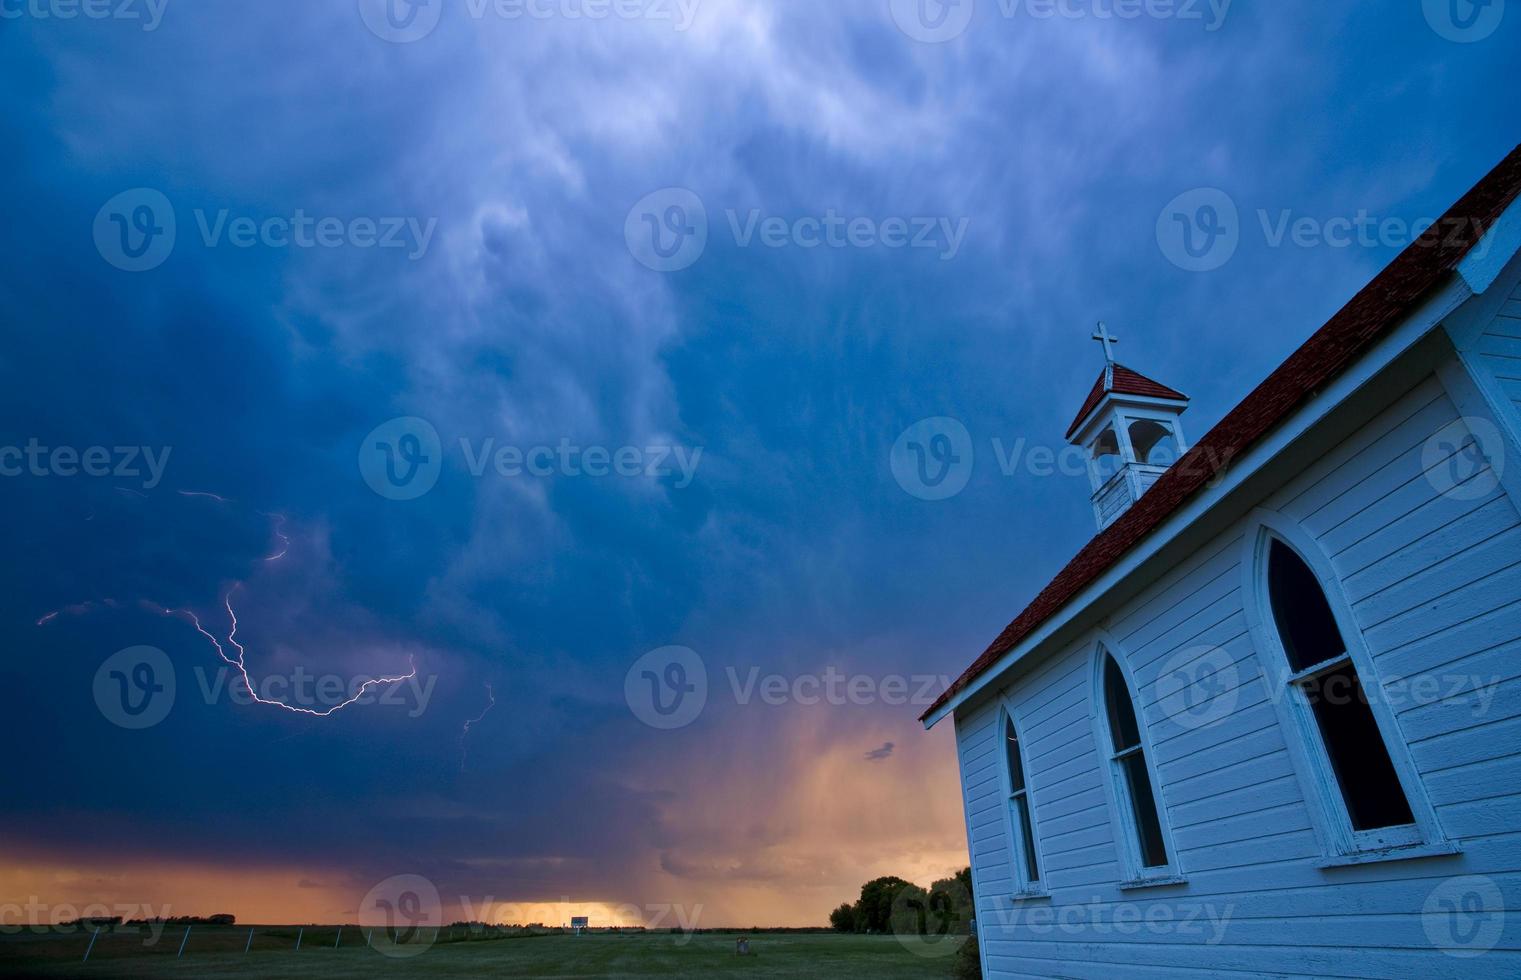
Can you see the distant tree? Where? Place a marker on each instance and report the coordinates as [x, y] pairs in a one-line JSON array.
[[875, 908], [912, 914], [950, 904], [843, 919]]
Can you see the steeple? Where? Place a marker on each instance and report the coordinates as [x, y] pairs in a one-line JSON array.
[[1130, 432]]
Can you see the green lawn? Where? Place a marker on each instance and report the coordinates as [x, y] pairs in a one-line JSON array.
[[220, 955]]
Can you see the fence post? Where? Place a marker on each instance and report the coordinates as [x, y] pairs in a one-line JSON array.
[[93, 936], [339, 939], [299, 934], [248, 945], [367, 936], [184, 941]]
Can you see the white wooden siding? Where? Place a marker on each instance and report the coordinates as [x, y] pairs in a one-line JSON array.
[[1499, 348], [1434, 582]]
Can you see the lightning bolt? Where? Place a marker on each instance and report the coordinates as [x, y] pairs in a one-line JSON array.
[[206, 493], [242, 667], [240, 661], [279, 532], [464, 735]]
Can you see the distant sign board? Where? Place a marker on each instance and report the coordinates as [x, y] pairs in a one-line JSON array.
[[579, 922]]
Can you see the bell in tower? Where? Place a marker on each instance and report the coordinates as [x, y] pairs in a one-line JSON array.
[[1129, 431]]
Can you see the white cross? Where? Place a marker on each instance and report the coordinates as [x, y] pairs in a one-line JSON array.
[[1108, 340]]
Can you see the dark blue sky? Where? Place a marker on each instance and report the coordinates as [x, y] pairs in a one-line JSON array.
[[524, 316]]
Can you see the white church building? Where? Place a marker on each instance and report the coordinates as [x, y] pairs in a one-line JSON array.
[[1268, 721]]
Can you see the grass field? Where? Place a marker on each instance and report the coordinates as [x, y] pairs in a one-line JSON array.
[[218, 952]]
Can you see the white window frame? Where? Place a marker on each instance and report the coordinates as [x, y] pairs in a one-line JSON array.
[[1127, 829], [1340, 842], [1023, 886]]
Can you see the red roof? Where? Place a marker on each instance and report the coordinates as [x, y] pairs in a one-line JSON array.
[[1121, 380], [1374, 311]]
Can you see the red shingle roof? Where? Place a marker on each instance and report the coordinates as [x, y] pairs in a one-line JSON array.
[[1122, 381], [1375, 310]]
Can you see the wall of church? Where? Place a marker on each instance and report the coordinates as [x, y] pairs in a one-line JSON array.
[[1499, 348], [1432, 572]]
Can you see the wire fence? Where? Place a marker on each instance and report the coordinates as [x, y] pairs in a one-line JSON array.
[[181, 941]]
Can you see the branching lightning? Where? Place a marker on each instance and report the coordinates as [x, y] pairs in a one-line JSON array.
[[242, 667], [239, 662], [464, 735]]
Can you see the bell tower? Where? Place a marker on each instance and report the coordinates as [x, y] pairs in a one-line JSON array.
[[1129, 431]]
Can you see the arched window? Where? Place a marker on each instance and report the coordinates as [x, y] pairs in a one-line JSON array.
[[1106, 456], [1144, 840], [1326, 681], [1025, 858], [1365, 796], [1154, 443]]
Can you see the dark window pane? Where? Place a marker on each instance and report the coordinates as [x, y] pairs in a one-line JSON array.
[[1022, 814], [1011, 749], [1359, 757], [1305, 624], [1149, 825], [1122, 726]]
